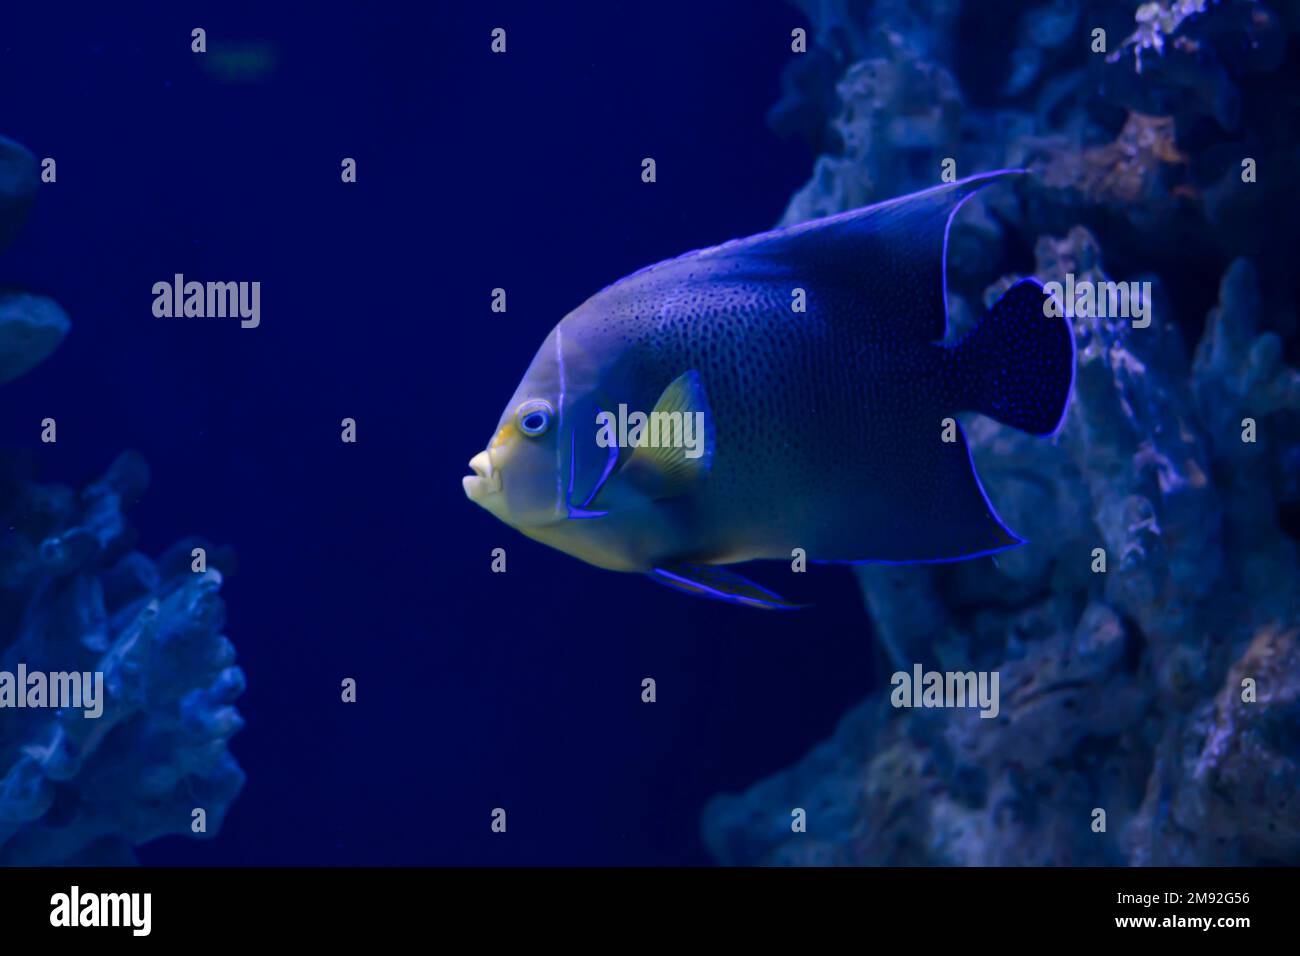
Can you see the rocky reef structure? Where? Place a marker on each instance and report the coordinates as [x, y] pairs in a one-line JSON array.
[[1147, 639], [76, 596]]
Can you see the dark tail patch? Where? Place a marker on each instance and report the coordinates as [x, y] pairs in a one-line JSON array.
[[1017, 364]]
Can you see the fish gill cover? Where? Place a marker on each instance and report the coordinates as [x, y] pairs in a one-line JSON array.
[[82, 786], [1147, 638]]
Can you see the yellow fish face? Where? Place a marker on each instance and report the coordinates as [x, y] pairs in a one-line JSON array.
[[515, 476], [543, 464]]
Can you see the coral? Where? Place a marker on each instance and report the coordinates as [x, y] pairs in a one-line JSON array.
[[18, 181], [1123, 172], [1043, 30], [1164, 689], [75, 596], [31, 328], [896, 110], [1155, 22], [1225, 783], [1206, 52]]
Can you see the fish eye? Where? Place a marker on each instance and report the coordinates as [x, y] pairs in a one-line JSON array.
[[534, 417]]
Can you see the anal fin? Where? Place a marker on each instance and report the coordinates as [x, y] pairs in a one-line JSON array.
[[716, 582]]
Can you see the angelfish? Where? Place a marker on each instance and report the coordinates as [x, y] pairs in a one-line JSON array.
[[824, 429]]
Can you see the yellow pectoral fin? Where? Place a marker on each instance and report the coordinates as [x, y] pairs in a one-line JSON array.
[[676, 448]]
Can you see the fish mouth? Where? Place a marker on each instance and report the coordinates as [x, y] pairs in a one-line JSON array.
[[486, 480]]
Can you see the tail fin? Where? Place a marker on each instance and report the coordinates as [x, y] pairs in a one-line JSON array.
[[1017, 364]]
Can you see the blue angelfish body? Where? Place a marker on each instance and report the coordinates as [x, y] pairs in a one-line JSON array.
[[820, 429]]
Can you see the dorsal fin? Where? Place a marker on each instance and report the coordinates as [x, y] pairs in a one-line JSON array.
[[891, 254]]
